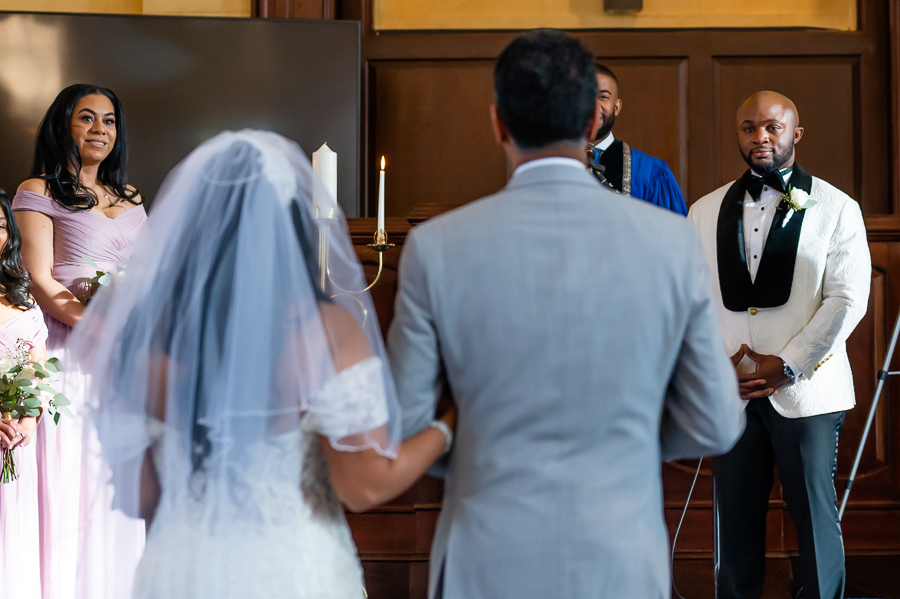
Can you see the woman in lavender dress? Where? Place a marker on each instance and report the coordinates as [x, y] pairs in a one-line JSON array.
[[20, 318], [77, 205]]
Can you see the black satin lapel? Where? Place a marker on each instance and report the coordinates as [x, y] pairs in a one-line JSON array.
[[801, 179], [734, 278], [775, 275]]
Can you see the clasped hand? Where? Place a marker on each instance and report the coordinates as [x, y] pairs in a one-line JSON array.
[[10, 429], [768, 377]]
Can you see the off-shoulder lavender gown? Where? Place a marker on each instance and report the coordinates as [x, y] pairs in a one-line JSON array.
[[20, 556], [68, 465]]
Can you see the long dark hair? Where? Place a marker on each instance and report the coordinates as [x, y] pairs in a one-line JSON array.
[[15, 282], [56, 151]]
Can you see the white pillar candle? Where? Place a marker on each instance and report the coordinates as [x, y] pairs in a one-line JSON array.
[[324, 161], [380, 226]]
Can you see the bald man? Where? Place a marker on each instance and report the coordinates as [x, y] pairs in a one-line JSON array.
[[790, 255]]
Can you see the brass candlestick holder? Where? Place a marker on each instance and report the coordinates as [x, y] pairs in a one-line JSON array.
[[381, 245]]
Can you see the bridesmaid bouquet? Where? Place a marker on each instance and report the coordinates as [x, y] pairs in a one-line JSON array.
[[23, 391], [101, 279]]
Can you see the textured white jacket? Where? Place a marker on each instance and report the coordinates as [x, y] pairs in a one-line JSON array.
[[828, 297]]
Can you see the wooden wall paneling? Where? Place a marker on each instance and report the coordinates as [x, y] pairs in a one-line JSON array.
[[866, 348], [700, 148], [874, 100], [294, 9], [894, 79], [431, 120]]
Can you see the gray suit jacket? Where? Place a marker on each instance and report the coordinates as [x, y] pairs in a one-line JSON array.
[[578, 335]]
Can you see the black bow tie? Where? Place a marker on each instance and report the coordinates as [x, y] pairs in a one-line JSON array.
[[754, 183]]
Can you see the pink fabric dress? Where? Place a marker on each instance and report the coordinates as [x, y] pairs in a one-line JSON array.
[[20, 552], [71, 486]]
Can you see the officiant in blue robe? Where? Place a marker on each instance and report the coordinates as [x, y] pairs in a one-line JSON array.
[[623, 168]]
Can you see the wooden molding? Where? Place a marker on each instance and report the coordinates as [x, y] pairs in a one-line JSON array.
[[894, 67], [293, 9]]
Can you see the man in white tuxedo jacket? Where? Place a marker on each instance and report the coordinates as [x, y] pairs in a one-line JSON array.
[[577, 333], [793, 269]]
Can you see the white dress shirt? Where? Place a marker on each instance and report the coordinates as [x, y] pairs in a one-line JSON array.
[[758, 217], [606, 142], [552, 160]]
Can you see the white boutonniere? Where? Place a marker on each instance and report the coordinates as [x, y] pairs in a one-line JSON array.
[[796, 200]]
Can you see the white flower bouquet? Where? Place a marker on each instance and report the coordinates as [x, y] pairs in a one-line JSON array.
[[100, 279], [24, 390]]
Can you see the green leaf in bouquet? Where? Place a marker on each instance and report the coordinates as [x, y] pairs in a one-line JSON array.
[[61, 400], [52, 365], [33, 412], [90, 262], [39, 370], [105, 279], [65, 410], [33, 402], [24, 383], [45, 387], [56, 418]]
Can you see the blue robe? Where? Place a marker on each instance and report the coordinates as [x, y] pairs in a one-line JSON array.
[[652, 181]]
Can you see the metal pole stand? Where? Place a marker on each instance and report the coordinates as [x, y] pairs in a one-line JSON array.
[[882, 377]]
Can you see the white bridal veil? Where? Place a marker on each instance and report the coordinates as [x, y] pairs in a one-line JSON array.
[[218, 342]]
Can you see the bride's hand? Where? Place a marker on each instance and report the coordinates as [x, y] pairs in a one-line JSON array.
[[449, 416]]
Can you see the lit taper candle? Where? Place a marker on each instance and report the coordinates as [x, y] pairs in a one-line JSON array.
[[380, 226]]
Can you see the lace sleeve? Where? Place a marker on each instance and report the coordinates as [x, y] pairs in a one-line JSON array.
[[351, 407]]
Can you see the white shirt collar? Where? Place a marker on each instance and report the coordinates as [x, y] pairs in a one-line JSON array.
[[550, 161], [786, 177], [607, 141]]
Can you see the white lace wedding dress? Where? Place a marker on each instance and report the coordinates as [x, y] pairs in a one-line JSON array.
[[281, 531]]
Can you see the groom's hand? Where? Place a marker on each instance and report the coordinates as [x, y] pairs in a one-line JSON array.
[[768, 377], [753, 386], [736, 358], [446, 409]]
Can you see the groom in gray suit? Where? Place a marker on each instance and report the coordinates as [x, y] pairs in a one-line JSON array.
[[577, 333]]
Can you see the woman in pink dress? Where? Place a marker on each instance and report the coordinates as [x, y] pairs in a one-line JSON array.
[[20, 318], [78, 205]]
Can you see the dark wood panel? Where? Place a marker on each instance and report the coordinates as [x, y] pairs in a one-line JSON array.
[[701, 146], [294, 9], [431, 121]]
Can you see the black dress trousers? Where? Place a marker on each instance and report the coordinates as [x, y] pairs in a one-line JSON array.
[[805, 450]]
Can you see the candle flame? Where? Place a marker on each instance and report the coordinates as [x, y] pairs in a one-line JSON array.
[[382, 163]]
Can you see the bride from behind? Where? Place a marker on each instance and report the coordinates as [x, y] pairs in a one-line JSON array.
[[236, 400]]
